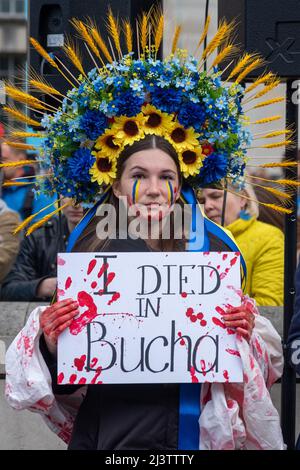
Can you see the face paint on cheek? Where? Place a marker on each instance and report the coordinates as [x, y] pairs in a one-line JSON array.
[[170, 193], [135, 191]]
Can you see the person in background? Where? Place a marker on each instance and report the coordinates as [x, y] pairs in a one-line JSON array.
[[265, 214], [262, 244], [18, 198], [22, 198], [9, 244], [33, 276]]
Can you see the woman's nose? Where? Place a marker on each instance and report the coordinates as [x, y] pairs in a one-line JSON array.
[[154, 187]]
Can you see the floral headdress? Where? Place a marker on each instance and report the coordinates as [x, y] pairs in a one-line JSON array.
[[123, 99]]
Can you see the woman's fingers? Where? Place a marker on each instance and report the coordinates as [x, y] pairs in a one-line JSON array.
[[57, 321], [245, 333], [57, 317], [57, 331]]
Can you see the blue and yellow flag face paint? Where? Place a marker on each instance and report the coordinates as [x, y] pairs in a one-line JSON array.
[[135, 191], [170, 193]]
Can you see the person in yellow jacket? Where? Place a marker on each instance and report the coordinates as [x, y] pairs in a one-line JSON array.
[[261, 244]]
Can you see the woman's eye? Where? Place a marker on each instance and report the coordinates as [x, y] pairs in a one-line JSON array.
[[168, 177], [138, 176]]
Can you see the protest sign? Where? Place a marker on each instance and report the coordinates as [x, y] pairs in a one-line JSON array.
[[149, 317]]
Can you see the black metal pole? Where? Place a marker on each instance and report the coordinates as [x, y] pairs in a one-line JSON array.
[[288, 390]]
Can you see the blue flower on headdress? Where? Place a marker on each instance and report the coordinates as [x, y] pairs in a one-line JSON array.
[[98, 84], [128, 103], [214, 168], [221, 102], [136, 84], [191, 114], [79, 165], [167, 100], [93, 123]]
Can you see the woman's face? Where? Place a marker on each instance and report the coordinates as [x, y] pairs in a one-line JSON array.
[[150, 181], [212, 199]]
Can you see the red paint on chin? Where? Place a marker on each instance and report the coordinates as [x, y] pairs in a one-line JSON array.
[[84, 299], [218, 322], [233, 352], [115, 297], [79, 362], [60, 378], [68, 283], [91, 266]]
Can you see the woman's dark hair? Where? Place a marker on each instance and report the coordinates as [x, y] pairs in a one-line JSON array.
[[88, 240]]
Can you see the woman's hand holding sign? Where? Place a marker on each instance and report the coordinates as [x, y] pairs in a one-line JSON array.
[[55, 319], [242, 318]]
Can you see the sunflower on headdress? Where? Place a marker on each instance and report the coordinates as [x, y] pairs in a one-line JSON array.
[[157, 122], [104, 170], [191, 161], [128, 130], [182, 138], [106, 145]]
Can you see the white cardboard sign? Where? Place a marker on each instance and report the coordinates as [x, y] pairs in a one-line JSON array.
[[149, 317]]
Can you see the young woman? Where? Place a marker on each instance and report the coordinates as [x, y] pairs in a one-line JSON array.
[[150, 132], [147, 416]]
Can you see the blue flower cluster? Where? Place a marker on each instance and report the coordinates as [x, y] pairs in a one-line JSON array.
[[79, 165], [93, 123], [214, 168]]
